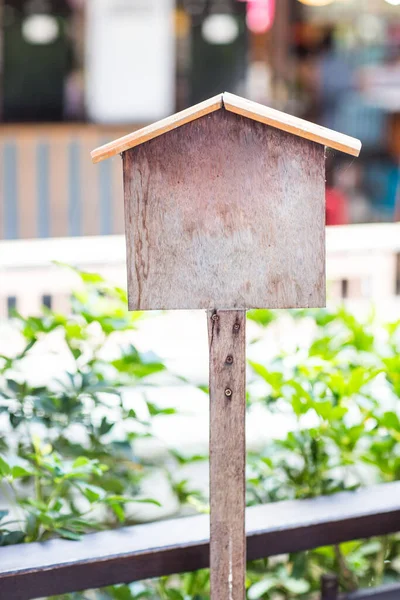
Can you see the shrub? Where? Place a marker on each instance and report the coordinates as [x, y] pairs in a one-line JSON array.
[[338, 387]]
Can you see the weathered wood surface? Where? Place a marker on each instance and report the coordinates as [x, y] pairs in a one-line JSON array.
[[240, 106], [291, 124], [176, 546], [155, 129], [225, 212], [227, 342]]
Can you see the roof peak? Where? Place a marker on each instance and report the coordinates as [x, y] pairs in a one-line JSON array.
[[241, 106]]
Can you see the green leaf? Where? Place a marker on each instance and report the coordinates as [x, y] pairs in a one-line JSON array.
[[5, 468], [81, 461], [274, 379], [90, 277], [261, 316], [257, 590], [118, 510], [296, 586], [68, 535], [174, 595], [127, 499], [390, 420], [13, 537], [17, 472], [154, 410], [13, 385], [105, 426], [92, 493]]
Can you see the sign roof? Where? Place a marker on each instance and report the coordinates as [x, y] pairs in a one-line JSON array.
[[240, 106]]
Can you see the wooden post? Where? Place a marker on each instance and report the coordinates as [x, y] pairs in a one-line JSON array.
[[227, 343], [225, 207]]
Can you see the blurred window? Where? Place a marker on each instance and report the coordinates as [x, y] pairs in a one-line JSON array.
[[38, 58], [11, 305], [47, 301]]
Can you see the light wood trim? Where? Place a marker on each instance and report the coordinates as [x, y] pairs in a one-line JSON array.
[[151, 131], [294, 125], [240, 106]]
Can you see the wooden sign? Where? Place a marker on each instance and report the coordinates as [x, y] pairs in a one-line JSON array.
[[225, 211]]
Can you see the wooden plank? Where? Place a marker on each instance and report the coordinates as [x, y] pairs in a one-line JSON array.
[[181, 545], [227, 343], [151, 131], [291, 124], [225, 212]]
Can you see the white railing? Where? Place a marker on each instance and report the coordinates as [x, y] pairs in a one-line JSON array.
[[362, 265]]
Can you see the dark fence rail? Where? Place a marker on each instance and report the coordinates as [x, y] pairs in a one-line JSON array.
[[330, 591], [387, 592], [181, 545]]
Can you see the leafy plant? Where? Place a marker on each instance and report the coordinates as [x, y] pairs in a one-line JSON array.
[[63, 462], [70, 463]]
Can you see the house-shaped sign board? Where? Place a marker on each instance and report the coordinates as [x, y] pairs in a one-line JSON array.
[[225, 207], [225, 211]]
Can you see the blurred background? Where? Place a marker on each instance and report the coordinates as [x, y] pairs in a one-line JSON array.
[[81, 377], [77, 73]]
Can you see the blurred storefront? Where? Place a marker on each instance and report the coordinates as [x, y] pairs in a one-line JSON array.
[[348, 74], [75, 73]]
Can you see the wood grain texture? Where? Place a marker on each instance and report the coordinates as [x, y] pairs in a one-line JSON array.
[[151, 131], [225, 212], [291, 124], [128, 554], [227, 342]]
